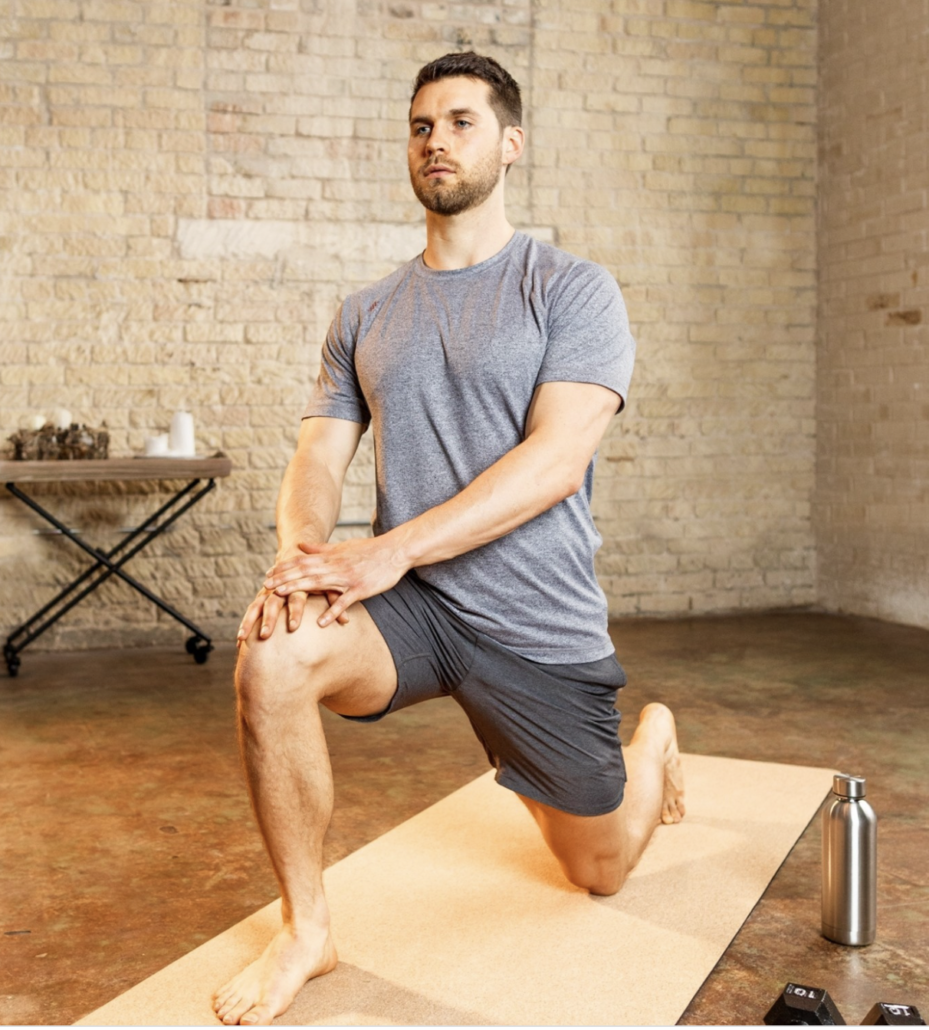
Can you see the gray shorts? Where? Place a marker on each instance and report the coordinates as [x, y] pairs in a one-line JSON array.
[[550, 731]]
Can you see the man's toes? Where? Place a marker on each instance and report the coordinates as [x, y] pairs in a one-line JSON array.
[[222, 1000], [672, 812], [228, 995], [235, 1011], [258, 1016], [232, 1001], [221, 1008]]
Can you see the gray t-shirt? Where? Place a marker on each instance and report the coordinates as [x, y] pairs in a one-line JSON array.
[[444, 364]]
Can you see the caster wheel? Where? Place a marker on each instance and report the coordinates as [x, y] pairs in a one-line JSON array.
[[200, 649], [12, 662]]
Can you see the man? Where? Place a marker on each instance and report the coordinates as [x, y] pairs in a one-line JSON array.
[[489, 368]]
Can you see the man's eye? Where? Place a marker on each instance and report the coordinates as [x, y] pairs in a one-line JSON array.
[[461, 122], [420, 130]]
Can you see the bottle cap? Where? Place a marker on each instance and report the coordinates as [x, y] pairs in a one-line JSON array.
[[848, 786]]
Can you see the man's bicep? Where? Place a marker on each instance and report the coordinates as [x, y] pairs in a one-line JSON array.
[[332, 441], [572, 417]]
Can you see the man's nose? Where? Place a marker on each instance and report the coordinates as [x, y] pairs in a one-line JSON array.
[[436, 142]]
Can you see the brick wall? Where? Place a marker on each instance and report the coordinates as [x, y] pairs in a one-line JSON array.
[[872, 510], [187, 190], [675, 143]]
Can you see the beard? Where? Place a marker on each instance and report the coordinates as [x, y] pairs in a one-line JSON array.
[[467, 190]]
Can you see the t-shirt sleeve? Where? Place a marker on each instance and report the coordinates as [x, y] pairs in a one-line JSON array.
[[337, 393], [589, 340]]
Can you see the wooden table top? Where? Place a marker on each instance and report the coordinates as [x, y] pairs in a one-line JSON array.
[[213, 467]]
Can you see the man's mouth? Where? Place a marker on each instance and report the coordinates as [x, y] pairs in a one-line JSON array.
[[437, 170]]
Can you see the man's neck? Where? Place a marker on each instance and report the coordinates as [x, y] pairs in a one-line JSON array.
[[460, 241]]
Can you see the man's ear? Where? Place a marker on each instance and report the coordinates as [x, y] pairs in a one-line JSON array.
[[514, 139]]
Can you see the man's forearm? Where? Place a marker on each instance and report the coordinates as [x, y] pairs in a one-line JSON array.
[[308, 504], [522, 484], [564, 427], [525, 482]]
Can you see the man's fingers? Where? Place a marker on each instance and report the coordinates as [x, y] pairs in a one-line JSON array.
[[313, 584], [299, 577], [332, 596], [267, 608], [305, 584], [336, 609], [290, 570], [252, 614], [272, 608], [296, 602]]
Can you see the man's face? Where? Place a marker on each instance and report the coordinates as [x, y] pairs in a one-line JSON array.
[[456, 149]]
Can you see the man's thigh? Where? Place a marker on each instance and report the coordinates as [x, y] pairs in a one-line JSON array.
[[348, 668], [431, 649], [574, 838], [551, 731]]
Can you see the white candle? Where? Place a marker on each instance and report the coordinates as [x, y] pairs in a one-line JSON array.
[[182, 435], [37, 422], [63, 418], [156, 446]]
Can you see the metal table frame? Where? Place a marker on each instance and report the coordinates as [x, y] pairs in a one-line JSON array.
[[107, 564]]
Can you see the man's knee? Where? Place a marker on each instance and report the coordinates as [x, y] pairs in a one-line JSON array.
[[288, 668], [599, 874]]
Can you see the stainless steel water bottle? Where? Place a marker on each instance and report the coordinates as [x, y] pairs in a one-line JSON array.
[[849, 864]]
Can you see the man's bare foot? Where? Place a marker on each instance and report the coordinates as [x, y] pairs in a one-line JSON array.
[[266, 988], [662, 725]]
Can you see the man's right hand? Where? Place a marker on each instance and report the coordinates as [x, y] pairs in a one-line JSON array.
[[267, 607]]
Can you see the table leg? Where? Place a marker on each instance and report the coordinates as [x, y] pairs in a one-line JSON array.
[[199, 645]]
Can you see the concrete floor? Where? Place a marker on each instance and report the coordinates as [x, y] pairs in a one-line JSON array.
[[126, 838]]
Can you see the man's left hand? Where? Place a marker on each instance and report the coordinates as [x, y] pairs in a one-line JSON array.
[[353, 569]]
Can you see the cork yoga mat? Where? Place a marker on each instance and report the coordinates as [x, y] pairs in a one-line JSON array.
[[461, 917]]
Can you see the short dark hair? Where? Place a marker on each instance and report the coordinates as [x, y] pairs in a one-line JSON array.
[[505, 98]]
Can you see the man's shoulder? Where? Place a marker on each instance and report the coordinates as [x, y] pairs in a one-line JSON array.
[[559, 272], [362, 299], [549, 258]]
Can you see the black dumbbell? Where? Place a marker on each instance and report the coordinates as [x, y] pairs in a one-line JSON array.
[[885, 1014], [804, 1006]]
